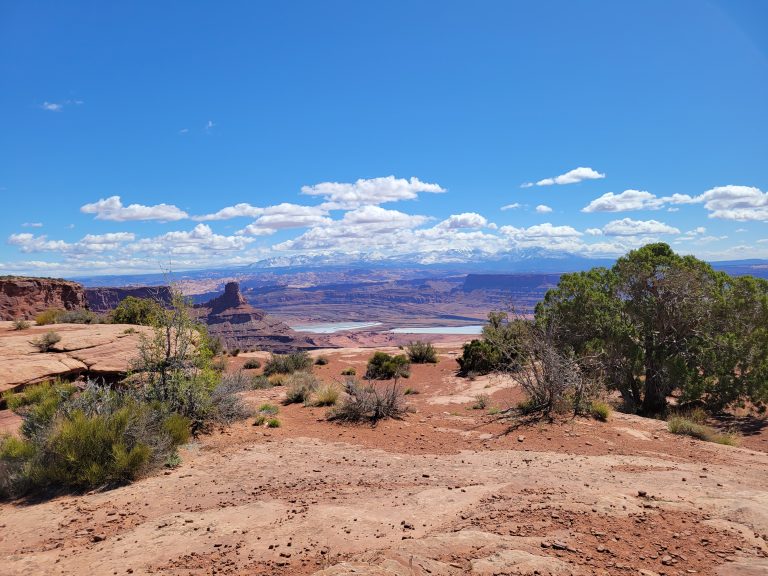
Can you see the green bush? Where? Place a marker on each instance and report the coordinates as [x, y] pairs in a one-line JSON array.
[[252, 364], [300, 386], [478, 357], [321, 361], [268, 409], [600, 410], [349, 371], [21, 324], [421, 353], [47, 341], [383, 366], [141, 311], [273, 423], [288, 363]]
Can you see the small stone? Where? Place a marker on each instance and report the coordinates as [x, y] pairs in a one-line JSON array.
[[520, 438]]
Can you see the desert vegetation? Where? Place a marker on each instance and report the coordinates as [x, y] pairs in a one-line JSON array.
[[420, 352], [369, 402], [657, 324], [105, 435], [288, 363], [383, 366]]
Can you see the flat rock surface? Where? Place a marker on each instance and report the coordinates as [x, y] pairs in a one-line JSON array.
[[92, 348]]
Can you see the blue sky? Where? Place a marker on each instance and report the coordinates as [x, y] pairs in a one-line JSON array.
[[128, 127]]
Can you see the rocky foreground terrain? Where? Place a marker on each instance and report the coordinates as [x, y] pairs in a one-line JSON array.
[[448, 490]]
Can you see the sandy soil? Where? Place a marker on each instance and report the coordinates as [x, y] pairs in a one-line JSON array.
[[447, 490]]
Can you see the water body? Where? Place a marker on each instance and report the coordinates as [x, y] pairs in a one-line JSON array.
[[471, 329], [332, 327]]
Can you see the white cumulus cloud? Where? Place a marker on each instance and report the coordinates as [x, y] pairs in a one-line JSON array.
[[740, 203], [571, 177], [629, 227], [112, 209], [344, 196], [464, 220], [237, 211], [543, 209]]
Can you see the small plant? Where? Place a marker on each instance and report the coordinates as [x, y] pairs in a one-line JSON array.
[[300, 386], [383, 366], [277, 379], [409, 391], [235, 352], [21, 324], [349, 371], [260, 382], [325, 395], [420, 352], [321, 361], [268, 409], [288, 363], [130, 330], [686, 426], [260, 420], [252, 364], [173, 460], [273, 423], [493, 410], [47, 341], [599, 410], [48, 317], [481, 402], [369, 403]]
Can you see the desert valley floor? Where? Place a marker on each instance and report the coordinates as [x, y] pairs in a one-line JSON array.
[[447, 490]]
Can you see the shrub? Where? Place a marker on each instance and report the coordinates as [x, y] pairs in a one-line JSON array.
[[421, 353], [288, 363], [369, 403], [383, 366], [687, 427], [177, 427], [226, 404], [273, 423], [277, 379], [260, 420], [21, 324], [235, 352], [478, 357], [260, 382], [300, 386], [481, 402], [252, 364], [321, 361], [268, 409], [326, 395], [47, 341], [77, 317], [348, 371], [599, 410], [47, 317], [408, 391], [132, 310]]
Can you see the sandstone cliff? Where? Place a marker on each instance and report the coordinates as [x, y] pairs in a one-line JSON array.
[[23, 298], [102, 300], [239, 325]]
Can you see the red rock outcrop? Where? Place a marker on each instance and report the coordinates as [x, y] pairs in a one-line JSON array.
[[23, 298], [102, 300], [239, 325]]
